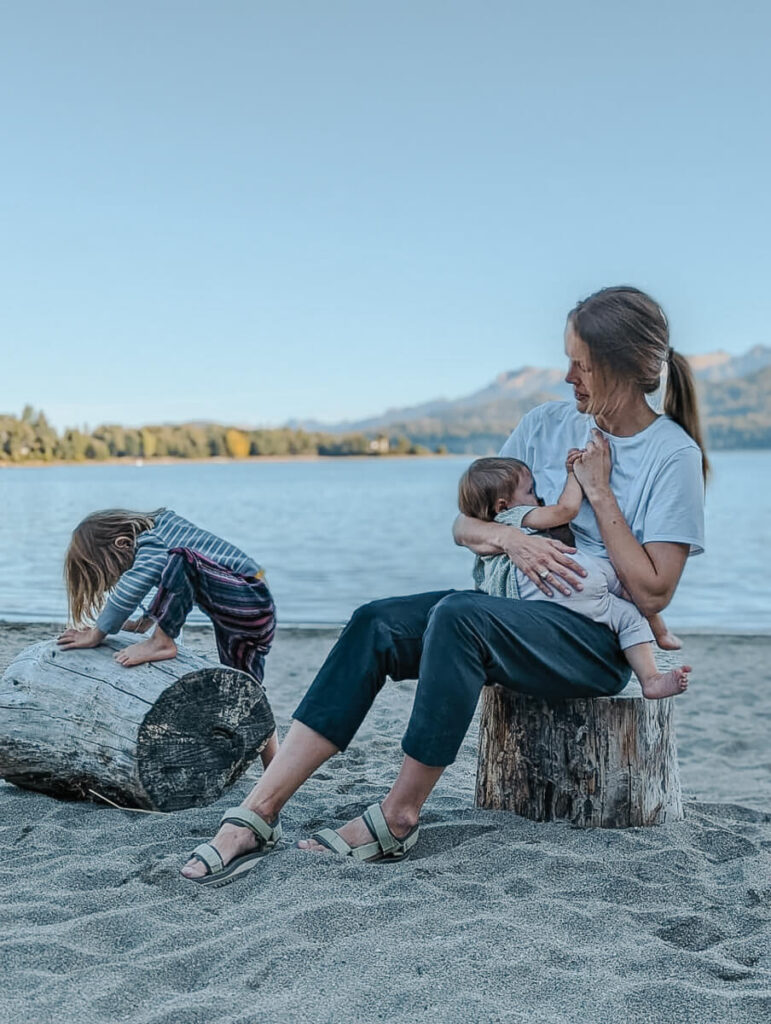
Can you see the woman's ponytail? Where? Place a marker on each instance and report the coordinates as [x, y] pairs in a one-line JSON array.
[[681, 403]]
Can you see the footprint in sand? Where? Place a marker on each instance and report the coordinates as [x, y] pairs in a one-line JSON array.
[[692, 933], [721, 846], [436, 839]]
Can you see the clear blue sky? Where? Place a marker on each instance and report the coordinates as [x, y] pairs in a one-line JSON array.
[[251, 211]]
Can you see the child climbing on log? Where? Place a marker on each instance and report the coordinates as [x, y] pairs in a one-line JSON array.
[[117, 556], [503, 490]]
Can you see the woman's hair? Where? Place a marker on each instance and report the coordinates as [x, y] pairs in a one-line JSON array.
[[95, 562], [485, 482], [627, 335]]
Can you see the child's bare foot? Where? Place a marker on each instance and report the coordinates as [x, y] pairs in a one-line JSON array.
[[159, 647], [668, 641], [666, 684]]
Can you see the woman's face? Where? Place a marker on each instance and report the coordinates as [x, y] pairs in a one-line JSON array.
[[579, 368]]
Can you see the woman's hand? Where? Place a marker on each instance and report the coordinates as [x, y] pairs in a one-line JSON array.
[[592, 469], [72, 639], [544, 561]]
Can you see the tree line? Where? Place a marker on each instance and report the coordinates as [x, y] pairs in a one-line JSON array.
[[31, 438], [736, 414]]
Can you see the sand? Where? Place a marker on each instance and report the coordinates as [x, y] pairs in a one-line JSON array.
[[493, 918]]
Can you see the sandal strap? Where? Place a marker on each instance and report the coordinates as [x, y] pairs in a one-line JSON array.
[[333, 841], [384, 845], [209, 856], [378, 826], [369, 851], [245, 818]]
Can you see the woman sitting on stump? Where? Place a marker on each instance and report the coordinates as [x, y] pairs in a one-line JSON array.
[[644, 512]]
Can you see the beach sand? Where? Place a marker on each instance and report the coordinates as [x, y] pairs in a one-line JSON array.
[[493, 918]]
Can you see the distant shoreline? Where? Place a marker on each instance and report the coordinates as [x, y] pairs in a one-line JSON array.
[[139, 463]]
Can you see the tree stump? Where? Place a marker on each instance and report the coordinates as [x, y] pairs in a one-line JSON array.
[[609, 762], [161, 736]]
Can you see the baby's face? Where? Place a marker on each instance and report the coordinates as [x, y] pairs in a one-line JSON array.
[[524, 492]]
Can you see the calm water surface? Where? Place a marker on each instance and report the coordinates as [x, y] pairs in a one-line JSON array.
[[337, 533]]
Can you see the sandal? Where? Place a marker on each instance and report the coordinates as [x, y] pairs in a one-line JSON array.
[[385, 845], [219, 873]]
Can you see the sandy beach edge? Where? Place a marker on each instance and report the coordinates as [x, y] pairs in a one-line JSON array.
[[494, 918]]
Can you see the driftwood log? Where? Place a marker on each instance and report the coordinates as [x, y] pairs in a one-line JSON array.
[[607, 761], [161, 736]]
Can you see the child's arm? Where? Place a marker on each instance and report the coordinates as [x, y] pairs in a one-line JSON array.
[[545, 517], [133, 586]]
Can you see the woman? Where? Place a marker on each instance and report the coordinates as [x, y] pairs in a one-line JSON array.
[[645, 512]]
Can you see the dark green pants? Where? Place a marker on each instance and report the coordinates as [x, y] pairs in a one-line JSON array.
[[454, 643]]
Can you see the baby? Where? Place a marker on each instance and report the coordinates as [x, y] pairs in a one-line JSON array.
[[503, 490]]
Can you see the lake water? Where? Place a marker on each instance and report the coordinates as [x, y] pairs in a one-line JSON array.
[[336, 533]]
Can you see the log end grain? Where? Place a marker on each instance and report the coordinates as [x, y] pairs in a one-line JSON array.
[[200, 736]]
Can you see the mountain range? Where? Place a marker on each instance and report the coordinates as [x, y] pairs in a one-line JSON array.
[[734, 392]]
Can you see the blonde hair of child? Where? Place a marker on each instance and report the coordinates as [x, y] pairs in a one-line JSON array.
[[95, 559], [485, 482]]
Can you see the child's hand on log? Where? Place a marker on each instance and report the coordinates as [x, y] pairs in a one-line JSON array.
[[72, 639]]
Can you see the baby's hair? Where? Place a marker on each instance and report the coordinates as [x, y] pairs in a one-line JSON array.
[[94, 562], [485, 482]]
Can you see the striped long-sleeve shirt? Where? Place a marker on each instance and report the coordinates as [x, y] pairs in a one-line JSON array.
[[151, 555]]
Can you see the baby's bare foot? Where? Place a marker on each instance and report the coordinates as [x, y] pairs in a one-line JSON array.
[[669, 641], [666, 684], [159, 647]]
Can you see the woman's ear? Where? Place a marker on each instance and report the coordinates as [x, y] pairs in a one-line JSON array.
[[123, 543]]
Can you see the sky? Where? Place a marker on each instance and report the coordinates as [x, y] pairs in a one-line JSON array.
[[250, 212]]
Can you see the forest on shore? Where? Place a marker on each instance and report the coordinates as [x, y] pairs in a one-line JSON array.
[[736, 414], [30, 438]]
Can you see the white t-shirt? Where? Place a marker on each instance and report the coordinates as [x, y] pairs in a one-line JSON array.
[[656, 475]]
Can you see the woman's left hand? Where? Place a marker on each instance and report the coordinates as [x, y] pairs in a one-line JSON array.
[[592, 469]]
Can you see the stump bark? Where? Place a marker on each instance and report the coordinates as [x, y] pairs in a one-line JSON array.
[[161, 736], [608, 762]]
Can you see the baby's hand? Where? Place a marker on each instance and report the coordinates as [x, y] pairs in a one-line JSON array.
[[573, 455]]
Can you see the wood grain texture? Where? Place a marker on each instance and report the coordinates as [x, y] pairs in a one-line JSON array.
[[609, 762], [161, 736]]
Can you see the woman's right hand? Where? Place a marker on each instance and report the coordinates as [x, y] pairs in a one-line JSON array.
[[545, 561]]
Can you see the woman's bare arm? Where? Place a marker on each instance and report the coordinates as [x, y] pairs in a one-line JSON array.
[[479, 536], [544, 561], [651, 572]]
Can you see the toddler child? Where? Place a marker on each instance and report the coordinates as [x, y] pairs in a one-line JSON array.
[[503, 490], [116, 557]]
